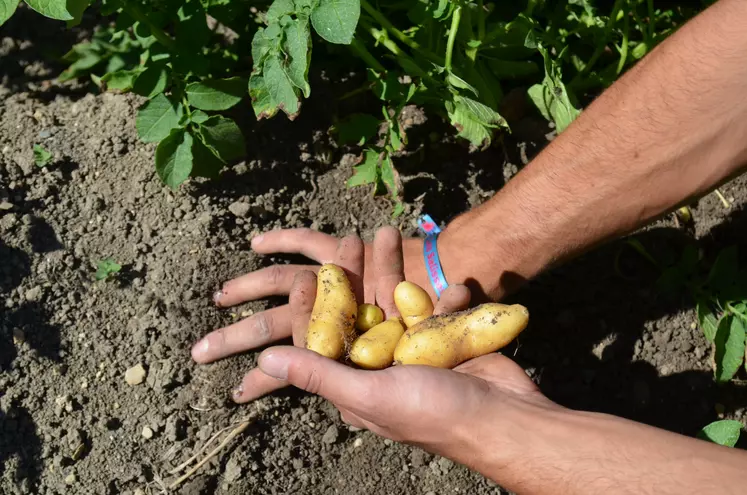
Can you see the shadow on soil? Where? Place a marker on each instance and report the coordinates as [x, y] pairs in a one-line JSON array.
[[584, 303], [20, 445]]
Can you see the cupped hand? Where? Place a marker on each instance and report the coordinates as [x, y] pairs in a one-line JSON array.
[[373, 270]]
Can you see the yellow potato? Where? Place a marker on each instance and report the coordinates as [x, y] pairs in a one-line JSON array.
[[374, 350], [414, 304], [331, 327], [369, 315], [445, 341]]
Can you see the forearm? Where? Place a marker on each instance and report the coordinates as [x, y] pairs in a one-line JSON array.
[[546, 451], [670, 130]]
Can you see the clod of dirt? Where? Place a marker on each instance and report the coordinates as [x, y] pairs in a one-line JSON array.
[[239, 208], [135, 375], [330, 436]]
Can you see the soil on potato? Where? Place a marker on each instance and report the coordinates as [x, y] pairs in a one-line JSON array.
[[70, 422]]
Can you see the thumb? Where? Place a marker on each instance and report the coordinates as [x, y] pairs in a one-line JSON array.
[[307, 370]]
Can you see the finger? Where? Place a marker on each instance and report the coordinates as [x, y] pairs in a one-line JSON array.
[[352, 419], [310, 243], [301, 302], [454, 298], [257, 330], [275, 280], [254, 385], [501, 371], [349, 257], [389, 268], [349, 389]]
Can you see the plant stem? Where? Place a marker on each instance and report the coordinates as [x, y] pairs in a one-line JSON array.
[[360, 49], [602, 44], [456, 17], [724, 201], [481, 20], [651, 21], [402, 37], [158, 33], [407, 62], [624, 46]]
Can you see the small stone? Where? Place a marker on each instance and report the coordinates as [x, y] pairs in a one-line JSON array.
[[70, 479], [358, 442], [297, 464], [239, 208], [34, 294], [330, 436], [233, 471], [445, 465], [147, 432], [138, 491], [5, 206], [18, 336], [135, 375], [388, 442]]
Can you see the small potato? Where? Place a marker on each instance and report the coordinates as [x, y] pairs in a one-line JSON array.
[[369, 315], [445, 341], [374, 350], [414, 304], [331, 327]]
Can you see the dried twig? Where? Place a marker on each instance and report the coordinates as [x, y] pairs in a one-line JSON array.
[[724, 201]]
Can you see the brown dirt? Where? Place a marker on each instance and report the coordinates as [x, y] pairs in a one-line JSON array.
[[597, 341]]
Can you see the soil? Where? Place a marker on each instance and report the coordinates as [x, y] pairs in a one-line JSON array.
[[70, 422]]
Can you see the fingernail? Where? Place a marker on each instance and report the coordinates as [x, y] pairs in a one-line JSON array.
[[275, 366], [216, 297], [237, 392], [200, 348], [257, 240]]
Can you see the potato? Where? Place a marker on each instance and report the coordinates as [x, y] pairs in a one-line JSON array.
[[445, 341], [331, 327], [374, 350], [369, 315], [414, 304]]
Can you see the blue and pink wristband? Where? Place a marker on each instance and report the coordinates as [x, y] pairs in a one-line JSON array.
[[430, 253]]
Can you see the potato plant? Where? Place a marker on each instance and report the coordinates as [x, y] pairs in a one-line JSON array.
[[196, 59]]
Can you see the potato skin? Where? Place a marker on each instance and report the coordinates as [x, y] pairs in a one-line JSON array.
[[369, 315], [331, 327], [374, 350], [445, 341], [414, 304]]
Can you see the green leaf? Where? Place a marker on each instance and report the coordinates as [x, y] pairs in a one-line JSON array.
[[730, 348], [121, 80], [263, 43], [296, 45], [457, 82], [151, 82], [273, 91], [62, 10], [174, 158], [707, 320], [278, 9], [216, 94], [42, 157], [473, 120], [357, 129], [336, 20], [223, 137], [198, 117], [367, 171], [157, 118], [204, 163], [106, 267], [551, 96], [7, 8], [390, 177], [725, 432]]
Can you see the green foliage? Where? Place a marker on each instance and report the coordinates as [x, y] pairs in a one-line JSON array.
[[454, 58], [42, 157], [725, 432], [106, 268]]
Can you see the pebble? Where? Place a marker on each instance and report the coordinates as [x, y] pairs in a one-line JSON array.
[[5, 206], [34, 294], [70, 479], [135, 375], [147, 432], [239, 209], [330, 436], [358, 442]]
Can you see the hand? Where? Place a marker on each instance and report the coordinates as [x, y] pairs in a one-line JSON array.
[[360, 262]]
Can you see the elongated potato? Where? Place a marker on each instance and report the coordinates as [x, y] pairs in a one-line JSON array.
[[331, 327], [413, 303], [445, 341], [369, 315], [374, 350]]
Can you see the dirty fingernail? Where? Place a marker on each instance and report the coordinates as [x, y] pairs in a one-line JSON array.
[[273, 365], [237, 392], [216, 297]]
